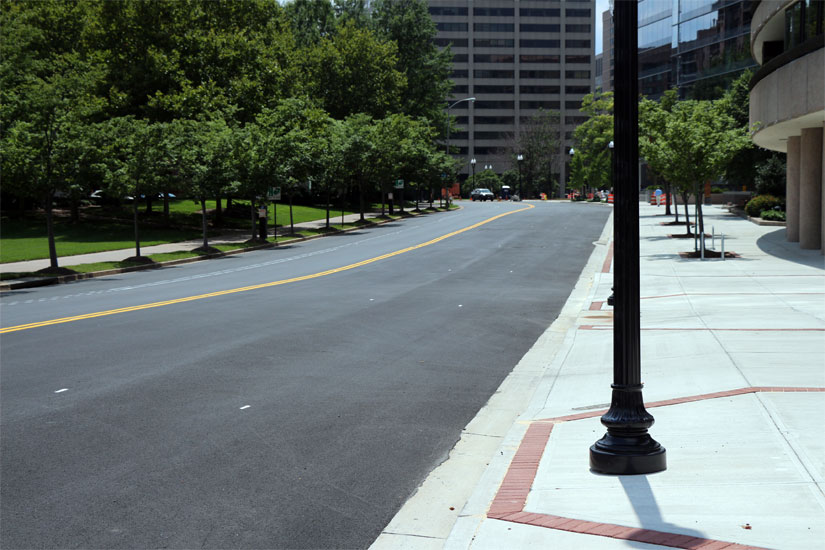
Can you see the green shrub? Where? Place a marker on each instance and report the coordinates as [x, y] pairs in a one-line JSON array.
[[770, 176], [773, 215], [716, 190], [760, 203]]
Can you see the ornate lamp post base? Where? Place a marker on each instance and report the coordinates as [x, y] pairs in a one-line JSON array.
[[627, 448]]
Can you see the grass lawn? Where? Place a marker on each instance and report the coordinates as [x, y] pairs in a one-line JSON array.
[[25, 239]]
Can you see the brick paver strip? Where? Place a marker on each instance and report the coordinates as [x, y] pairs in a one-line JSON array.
[[509, 501], [608, 260], [596, 306]]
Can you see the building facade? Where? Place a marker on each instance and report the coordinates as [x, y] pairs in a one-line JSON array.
[[697, 46], [514, 57], [608, 60], [787, 105]]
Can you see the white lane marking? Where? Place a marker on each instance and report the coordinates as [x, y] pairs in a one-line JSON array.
[[62, 390], [245, 407]]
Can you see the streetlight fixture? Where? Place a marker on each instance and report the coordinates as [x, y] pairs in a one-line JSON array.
[[471, 100], [627, 447], [519, 158]]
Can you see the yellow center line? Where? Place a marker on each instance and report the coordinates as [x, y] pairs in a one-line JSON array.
[[256, 287]]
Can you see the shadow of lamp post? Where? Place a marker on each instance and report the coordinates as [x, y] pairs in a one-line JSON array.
[[627, 447]]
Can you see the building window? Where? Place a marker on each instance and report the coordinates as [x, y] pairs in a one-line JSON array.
[[493, 42], [528, 43], [451, 27], [493, 58], [493, 104], [539, 104], [577, 59], [577, 43], [577, 89], [494, 12], [459, 73], [460, 58], [539, 89], [577, 74], [539, 74], [492, 27], [455, 42], [460, 89], [539, 12], [493, 119], [531, 27], [486, 73], [578, 12], [493, 89], [447, 10], [490, 135], [539, 58], [572, 104], [577, 28]]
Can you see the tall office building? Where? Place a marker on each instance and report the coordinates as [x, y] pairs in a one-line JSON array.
[[695, 45], [514, 57], [608, 59]]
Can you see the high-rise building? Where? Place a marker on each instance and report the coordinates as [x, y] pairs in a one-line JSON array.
[[697, 46], [608, 61], [514, 57]]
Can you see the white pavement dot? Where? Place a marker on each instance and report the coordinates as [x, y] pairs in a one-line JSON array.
[[372, 299], [459, 305], [62, 390], [245, 407]]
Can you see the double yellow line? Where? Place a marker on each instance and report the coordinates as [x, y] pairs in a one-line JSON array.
[[255, 287]]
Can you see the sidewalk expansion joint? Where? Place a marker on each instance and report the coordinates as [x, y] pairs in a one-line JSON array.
[[511, 497]]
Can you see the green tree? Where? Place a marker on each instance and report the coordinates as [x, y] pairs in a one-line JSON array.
[[486, 179], [354, 71], [310, 20], [538, 143], [591, 162], [689, 144], [426, 67]]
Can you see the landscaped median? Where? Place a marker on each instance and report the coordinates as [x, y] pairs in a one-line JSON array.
[[73, 272]]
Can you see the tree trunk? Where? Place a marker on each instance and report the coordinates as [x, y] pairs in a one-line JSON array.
[[383, 195], [361, 198], [328, 205], [166, 207], [252, 215], [228, 203], [148, 204], [669, 198], [74, 208], [203, 220], [50, 231], [291, 219], [687, 212], [137, 232], [218, 211]]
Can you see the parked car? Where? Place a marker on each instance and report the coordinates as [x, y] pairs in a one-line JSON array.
[[482, 195]]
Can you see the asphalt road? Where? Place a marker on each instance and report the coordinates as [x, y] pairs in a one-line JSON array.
[[301, 413]]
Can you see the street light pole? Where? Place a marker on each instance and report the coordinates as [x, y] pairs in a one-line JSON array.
[[626, 448], [473, 166], [611, 300], [571, 152], [519, 158], [471, 100]]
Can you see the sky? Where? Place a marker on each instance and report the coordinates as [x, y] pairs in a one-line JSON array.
[[601, 6]]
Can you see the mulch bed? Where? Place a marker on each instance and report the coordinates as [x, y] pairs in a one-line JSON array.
[[708, 254]]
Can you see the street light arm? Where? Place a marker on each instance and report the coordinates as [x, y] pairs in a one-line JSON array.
[[470, 99]]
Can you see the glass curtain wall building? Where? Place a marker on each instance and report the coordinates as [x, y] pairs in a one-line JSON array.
[[514, 57], [697, 46]]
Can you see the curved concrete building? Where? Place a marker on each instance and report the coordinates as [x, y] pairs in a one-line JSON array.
[[787, 104]]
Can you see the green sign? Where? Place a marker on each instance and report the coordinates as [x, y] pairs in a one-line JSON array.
[[273, 193], [399, 184]]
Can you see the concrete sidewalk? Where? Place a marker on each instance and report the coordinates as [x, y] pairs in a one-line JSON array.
[[229, 237], [733, 361]]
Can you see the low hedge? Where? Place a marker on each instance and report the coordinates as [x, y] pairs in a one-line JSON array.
[[772, 215], [760, 203]]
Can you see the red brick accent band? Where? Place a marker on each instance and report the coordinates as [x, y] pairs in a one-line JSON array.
[[508, 503], [596, 306], [608, 261]]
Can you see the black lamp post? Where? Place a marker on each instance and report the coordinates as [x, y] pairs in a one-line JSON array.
[[611, 300], [626, 448], [473, 167], [519, 158], [450, 106]]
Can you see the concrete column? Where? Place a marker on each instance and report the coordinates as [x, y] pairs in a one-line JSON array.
[[792, 191], [810, 188]]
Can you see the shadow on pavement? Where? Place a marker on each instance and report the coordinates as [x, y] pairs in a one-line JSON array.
[[774, 244], [641, 497]]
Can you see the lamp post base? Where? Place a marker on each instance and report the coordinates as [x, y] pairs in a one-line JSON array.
[[629, 456]]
